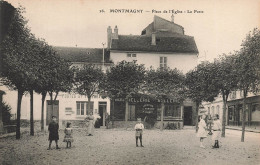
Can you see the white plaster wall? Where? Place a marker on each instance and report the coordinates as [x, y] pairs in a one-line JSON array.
[[65, 100], [183, 62]]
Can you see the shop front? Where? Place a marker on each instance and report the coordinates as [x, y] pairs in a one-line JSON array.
[[149, 110], [252, 111]]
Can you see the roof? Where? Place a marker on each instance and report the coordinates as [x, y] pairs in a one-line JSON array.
[[178, 44], [89, 55]]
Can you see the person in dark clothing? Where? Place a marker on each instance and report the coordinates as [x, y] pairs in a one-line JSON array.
[[53, 132]]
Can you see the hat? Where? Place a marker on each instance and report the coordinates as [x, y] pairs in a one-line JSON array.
[[139, 119]]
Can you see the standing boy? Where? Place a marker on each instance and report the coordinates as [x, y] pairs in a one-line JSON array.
[[139, 131], [216, 131], [53, 132]]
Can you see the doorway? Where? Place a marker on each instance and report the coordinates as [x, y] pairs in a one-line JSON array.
[[188, 115], [102, 110], [51, 113]]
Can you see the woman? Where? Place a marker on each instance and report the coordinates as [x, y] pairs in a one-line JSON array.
[[90, 124], [202, 133]]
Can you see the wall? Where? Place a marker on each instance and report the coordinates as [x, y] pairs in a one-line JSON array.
[[183, 62], [65, 100]]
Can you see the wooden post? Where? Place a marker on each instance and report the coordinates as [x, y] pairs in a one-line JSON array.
[[162, 109]]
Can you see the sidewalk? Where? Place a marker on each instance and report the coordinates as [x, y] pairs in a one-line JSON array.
[[255, 129]]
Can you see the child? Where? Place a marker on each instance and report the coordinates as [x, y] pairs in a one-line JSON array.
[[216, 131], [68, 135], [202, 133], [139, 132], [53, 132]]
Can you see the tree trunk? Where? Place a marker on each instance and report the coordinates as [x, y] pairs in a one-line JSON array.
[[42, 115], [243, 117], [18, 122], [88, 110], [52, 106], [224, 114], [126, 109], [162, 109], [31, 114], [196, 117], [112, 113]]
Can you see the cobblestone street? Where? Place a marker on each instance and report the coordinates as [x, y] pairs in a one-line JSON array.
[[118, 147]]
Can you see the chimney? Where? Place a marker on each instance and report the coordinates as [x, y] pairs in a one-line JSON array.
[[115, 33], [172, 18], [109, 34], [153, 39]]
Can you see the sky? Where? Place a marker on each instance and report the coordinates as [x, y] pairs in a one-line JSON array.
[[217, 26]]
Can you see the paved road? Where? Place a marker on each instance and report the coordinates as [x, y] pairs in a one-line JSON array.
[[118, 147]]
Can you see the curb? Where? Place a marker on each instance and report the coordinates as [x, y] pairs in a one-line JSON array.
[[237, 129]]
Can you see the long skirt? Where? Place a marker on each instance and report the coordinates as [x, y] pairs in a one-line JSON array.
[[90, 127]]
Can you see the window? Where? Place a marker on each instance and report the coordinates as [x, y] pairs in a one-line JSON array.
[[172, 111], [233, 95], [212, 110], [82, 107], [129, 55], [163, 62], [217, 110]]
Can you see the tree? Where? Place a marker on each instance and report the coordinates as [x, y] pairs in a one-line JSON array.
[[87, 81], [224, 79], [163, 84], [46, 55], [124, 80], [59, 77], [15, 50], [248, 69], [197, 84]]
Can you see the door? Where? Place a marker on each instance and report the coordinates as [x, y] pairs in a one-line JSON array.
[[102, 110], [51, 113], [188, 115]]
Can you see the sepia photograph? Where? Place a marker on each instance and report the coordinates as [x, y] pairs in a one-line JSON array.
[[129, 82]]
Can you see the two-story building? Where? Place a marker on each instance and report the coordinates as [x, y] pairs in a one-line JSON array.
[[161, 44]]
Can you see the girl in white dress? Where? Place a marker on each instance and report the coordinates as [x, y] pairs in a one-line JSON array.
[[202, 132]]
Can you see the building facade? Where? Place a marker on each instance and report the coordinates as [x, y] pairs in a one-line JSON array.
[[234, 108], [68, 106], [161, 44]]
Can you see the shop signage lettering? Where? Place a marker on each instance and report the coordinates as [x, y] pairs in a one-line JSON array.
[[145, 100], [72, 96]]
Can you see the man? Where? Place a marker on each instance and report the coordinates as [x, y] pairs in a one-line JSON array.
[[216, 131], [53, 132]]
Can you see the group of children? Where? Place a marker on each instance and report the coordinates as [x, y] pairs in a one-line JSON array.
[[202, 132], [54, 133]]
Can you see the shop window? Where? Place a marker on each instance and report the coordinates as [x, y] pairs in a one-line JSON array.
[[172, 111], [82, 107], [231, 113], [255, 112]]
